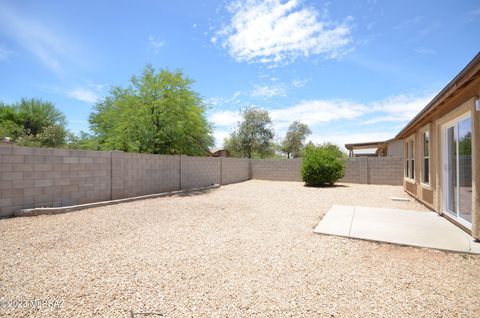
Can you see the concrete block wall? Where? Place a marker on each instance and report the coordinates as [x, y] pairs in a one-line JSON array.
[[356, 170], [385, 170], [235, 170], [374, 170], [276, 169], [200, 171], [46, 177], [141, 174], [43, 177]]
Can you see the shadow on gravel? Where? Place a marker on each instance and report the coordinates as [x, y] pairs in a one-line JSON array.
[[195, 193], [144, 314], [327, 186]]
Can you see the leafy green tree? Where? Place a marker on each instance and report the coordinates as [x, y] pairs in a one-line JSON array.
[[9, 122], [253, 136], [33, 122], [293, 143], [83, 141], [158, 113]]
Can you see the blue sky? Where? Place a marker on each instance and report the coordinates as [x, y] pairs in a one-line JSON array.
[[353, 70]]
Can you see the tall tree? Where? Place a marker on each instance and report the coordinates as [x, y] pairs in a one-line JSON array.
[[253, 136], [158, 113], [33, 122], [293, 144]]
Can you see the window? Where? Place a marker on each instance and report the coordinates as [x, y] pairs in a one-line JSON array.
[[409, 160], [426, 157]]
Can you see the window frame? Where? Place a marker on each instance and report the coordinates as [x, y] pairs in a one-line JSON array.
[[410, 158], [426, 131]]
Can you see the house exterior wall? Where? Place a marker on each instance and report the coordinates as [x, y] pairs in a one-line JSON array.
[[395, 148], [432, 194]]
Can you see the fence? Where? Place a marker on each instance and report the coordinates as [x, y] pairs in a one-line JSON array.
[[365, 170], [374, 170], [45, 177]]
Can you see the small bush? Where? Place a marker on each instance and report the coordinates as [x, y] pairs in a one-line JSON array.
[[322, 165]]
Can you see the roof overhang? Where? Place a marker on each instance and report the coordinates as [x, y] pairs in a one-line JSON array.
[[467, 75], [368, 145]]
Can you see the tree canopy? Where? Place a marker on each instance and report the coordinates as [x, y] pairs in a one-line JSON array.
[[293, 143], [33, 122], [158, 113], [254, 135]]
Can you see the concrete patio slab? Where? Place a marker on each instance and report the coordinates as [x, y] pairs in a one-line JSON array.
[[403, 227]]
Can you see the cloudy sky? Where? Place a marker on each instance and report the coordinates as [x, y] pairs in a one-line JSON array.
[[352, 70]]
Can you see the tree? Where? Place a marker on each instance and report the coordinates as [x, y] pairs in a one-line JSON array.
[[158, 113], [293, 143], [33, 122], [253, 136]]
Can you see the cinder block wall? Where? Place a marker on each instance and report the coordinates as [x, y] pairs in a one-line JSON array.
[[366, 170], [385, 170], [356, 170], [200, 171], [45, 177], [277, 169], [235, 170], [141, 174], [374, 170], [37, 177]]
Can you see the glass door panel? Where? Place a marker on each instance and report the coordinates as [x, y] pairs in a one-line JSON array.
[[458, 169], [465, 169], [451, 171]]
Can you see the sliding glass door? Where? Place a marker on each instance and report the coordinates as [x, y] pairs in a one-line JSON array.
[[458, 169]]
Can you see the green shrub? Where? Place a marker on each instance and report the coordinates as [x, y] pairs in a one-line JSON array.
[[322, 165]]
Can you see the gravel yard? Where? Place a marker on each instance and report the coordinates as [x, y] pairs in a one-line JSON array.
[[243, 250]]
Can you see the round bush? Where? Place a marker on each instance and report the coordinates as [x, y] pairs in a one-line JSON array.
[[323, 165]]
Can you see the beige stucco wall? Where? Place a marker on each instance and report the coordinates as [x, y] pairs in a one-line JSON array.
[[395, 148], [432, 194]]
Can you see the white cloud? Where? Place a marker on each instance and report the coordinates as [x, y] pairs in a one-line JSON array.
[[37, 38], [83, 95], [274, 32], [219, 135], [398, 108], [321, 114], [155, 43], [269, 91], [297, 83], [313, 112], [225, 101], [225, 118]]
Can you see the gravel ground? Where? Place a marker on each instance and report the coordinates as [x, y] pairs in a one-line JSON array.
[[244, 250]]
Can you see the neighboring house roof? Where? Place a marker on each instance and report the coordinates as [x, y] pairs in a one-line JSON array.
[[368, 145], [466, 76]]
